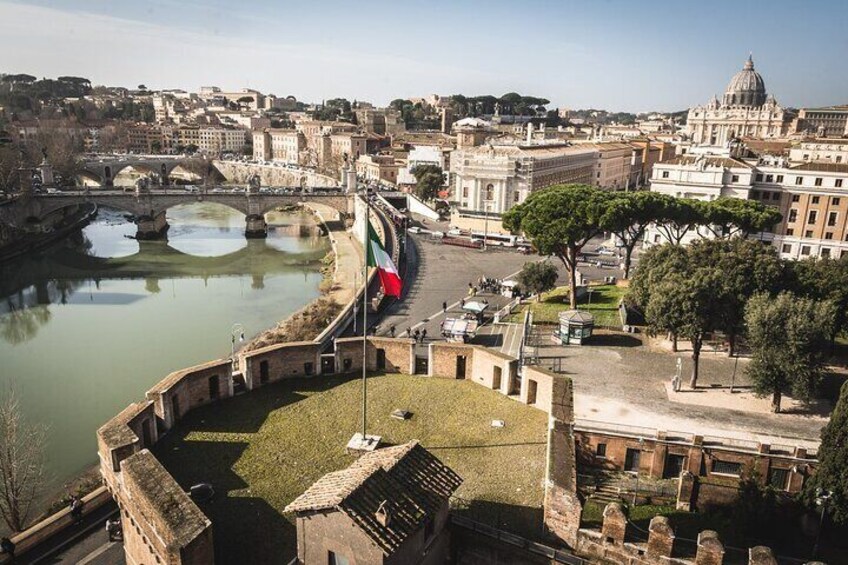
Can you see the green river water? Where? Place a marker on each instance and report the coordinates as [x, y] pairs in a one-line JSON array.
[[88, 325]]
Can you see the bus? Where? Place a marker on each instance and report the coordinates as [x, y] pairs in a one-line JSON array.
[[501, 239]]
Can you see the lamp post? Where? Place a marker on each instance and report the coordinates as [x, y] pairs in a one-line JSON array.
[[236, 332], [638, 464], [822, 497]]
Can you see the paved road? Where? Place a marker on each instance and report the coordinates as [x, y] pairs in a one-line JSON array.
[[86, 544]]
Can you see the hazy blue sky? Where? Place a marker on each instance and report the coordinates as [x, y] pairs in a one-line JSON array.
[[614, 54]]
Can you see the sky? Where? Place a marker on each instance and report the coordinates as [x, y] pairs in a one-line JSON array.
[[623, 55]]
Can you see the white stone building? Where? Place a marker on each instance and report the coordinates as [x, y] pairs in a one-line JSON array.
[[745, 110], [494, 178]]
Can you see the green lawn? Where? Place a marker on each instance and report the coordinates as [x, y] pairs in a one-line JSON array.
[[262, 449], [604, 305]]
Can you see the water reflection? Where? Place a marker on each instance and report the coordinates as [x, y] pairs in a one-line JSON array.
[[88, 326]]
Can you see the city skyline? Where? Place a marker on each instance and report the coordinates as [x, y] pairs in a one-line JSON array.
[[616, 56]]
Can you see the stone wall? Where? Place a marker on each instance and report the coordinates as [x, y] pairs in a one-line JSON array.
[[444, 359], [284, 360], [614, 543], [240, 173], [183, 391], [398, 355]]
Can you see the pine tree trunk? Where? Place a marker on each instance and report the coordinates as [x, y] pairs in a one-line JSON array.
[[696, 356], [674, 342], [775, 401]]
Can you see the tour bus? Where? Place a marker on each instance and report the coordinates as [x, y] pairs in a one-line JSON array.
[[504, 240]]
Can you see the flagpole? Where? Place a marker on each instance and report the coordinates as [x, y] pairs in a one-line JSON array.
[[366, 247]]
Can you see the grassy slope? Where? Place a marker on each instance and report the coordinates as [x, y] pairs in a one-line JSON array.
[[262, 449]]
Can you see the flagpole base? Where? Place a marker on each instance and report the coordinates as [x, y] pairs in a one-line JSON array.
[[359, 444]]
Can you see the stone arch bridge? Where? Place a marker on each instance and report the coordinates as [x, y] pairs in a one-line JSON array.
[[103, 170], [149, 208]]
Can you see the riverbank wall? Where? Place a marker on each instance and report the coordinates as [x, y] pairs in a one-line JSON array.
[[270, 175]]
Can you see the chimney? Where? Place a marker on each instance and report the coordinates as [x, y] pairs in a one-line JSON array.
[[382, 514]]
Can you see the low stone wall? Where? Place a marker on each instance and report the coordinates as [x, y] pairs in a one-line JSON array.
[[55, 523], [184, 390], [612, 544], [393, 355], [275, 362]]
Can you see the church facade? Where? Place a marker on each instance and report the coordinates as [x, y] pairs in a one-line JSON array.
[[745, 110]]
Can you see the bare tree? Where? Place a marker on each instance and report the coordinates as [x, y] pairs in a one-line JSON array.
[[22, 449]]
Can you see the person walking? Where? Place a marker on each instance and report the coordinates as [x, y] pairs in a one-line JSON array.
[[76, 509], [423, 335], [416, 335], [392, 330], [444, 307]]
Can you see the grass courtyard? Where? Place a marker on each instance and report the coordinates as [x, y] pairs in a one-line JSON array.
[[603, 305], [261, 450]]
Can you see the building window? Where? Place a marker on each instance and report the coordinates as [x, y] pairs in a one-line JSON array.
[[775, 196], [818, 181], [805, 250], [796, 198], [665, 174], [465, 192], [793, 215], [790, 231], [601, 450], [727, 468], [808, 233], [779, 179], [815, 199], [825, 252], [760, 178], [778, 478], [828, 235], [787, 248], [336, 559], [811, 219], [516, 196], [755, 195], [799, 180], [769, 178], [831, 219], [838, 184], [734, 178], [834, 201]]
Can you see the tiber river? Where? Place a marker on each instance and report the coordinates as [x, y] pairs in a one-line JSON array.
[[89, 325]]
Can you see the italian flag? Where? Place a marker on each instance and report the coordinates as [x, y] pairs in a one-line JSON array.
[[386, 270]]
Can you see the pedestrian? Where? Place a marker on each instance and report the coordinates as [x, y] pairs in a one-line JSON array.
[[416, 335], [7, 546], [76, 509], [392, 330], [423, 335], [462, 302], [444, 307], [408, 332]]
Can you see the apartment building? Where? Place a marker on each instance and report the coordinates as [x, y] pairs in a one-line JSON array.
[[812, 197], [275, 144]]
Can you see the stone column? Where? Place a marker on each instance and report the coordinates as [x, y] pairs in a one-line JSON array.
[[152, 226], [256, 227], [710, 549], [614, 527], [562, 507], [685, 491], [660, 538], [761, 555]]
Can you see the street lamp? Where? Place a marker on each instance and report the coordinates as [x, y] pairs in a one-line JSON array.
[[236, 332], [485, 224], [638, 464], [822, 497]]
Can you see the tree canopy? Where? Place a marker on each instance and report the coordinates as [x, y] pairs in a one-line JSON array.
[[833, 460], [727, 217], [559, 221], [428, 181], [538, 277], [628, 214], [788, 336]]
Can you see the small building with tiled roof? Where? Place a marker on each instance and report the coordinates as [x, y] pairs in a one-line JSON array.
[[390, 506]]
